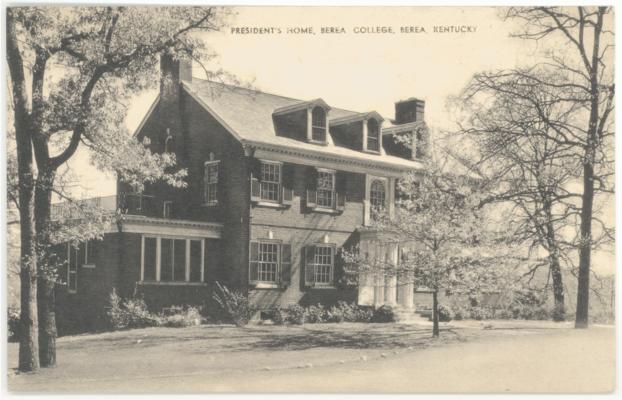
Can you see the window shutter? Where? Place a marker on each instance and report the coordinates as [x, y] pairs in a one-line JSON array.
[[253, 262], [286, 263], [288, 195], [255, 168], [309, 266], [311, 198], [255, 189], [81, 254]]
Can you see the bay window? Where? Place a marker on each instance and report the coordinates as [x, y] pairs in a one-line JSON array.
[[170, 259]]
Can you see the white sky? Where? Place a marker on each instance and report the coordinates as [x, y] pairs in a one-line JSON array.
[[362, 72]]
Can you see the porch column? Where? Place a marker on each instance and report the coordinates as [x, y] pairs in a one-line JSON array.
[[405, 291], [379, 289], [390, 288]]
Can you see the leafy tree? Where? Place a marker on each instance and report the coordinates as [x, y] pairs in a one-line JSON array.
[[448, 242], [72, 70]]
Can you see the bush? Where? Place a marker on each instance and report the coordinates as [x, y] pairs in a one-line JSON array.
[[460, 312], [296, 314], [181, 318], [315, 314], [444, 313], [13, 324], [383, 314], [480, 313], [278, 315], [335, 314], [131, 313], [235, 304]]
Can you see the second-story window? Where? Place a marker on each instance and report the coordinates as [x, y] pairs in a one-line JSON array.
[[373, 135], [318, 124], [325, 188], [270, 181], [210, 188]]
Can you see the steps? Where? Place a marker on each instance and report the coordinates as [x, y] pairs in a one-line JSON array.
[[406, 316]]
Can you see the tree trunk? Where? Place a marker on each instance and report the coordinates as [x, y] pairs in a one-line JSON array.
[[585, 245], [435, 329], [585, 248], [28, 341], [559, 312], [47, 269]]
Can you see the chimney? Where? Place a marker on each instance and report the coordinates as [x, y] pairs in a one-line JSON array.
[[172, 72], [409, 110]]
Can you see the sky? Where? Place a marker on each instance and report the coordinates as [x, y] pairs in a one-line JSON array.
[[357, 71]]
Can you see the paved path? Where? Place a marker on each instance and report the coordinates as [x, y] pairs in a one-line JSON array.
[[564, 360]]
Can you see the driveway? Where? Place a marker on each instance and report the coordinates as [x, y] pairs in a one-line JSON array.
[[470, 357]]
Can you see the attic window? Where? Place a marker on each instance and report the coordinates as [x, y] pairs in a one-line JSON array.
[[318, 124], [373, 135]]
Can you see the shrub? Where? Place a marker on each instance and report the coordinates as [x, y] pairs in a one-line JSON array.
[[460, 312], [363, 314], [296, 314], [235, 304], [13, 324], [278, 315], [383, 314], [131, 313], [335, 314], [480, 313], [444, 313], [181, 318], [315, 314]]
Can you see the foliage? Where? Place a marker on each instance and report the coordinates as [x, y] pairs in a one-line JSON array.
[[129, 313], [234, 303], [13, 324], [278, 315], [444, 313], [296, 314], [181, 317], [335, 314], [315, 314], [383, 314]]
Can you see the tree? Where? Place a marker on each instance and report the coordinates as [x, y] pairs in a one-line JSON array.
[[524, 161], [579, 49], [447, 240], [72, 69]]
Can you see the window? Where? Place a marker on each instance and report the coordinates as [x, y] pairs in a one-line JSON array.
[[167, 209], [325, 188], [172, 259], [318, 124], [269, 262], [89, 254], [73, 256], [373, 135], [210, 183], [270, 184], [319, 266], [377, 195]]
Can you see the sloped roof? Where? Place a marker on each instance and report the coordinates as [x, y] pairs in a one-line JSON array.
[[247, 114]]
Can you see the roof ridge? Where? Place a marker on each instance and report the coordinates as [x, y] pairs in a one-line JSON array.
[[267, 93]]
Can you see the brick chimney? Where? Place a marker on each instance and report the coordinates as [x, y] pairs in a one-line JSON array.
[[172, 72], [409, 110]]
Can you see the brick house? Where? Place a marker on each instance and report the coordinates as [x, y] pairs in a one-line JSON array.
[[275, 188]]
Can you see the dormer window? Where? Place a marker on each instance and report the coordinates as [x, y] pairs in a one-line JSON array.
[[318, 124], [373, 135]]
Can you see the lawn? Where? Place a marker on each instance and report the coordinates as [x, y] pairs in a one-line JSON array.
[[213, 351]]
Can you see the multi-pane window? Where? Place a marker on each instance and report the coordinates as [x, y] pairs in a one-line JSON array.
[[210, 184], [373, 135], [325, 189], [318, 124], [89, 254], [172, 259], [323, 263], [377, 195], [270, 181], [73, 259], [268, 262]]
